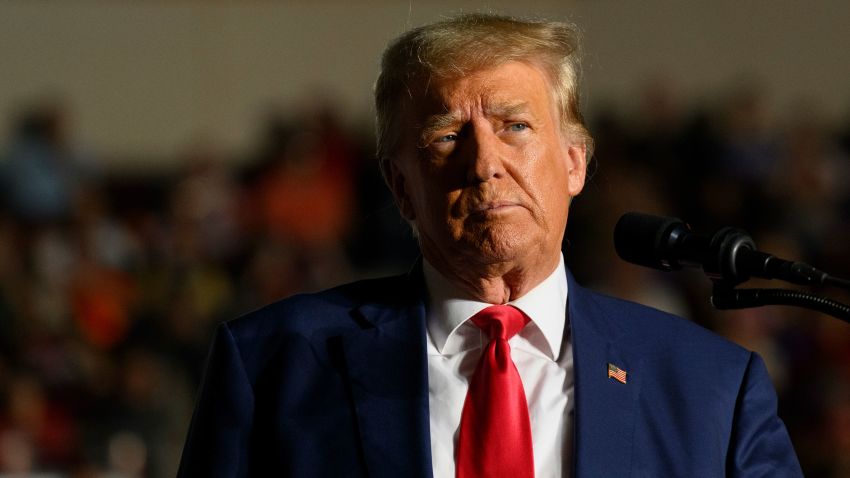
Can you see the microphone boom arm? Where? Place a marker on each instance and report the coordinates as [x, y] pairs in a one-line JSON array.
[[726, 297]]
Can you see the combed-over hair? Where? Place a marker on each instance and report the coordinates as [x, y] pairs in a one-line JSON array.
[[458, 46]]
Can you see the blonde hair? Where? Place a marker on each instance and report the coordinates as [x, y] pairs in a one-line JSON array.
[[457, 46]]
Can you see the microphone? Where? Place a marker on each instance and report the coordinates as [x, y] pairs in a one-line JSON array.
[[730, 255]]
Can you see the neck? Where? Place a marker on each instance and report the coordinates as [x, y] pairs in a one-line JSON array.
[[498, 282]]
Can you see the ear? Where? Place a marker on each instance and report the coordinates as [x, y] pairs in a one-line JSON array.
[[576, 157], [398, 186]]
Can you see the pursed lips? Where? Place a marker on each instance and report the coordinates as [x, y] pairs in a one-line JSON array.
[[493, 206], [485, 204]]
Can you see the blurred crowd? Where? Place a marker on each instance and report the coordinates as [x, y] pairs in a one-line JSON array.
[[111, 285]]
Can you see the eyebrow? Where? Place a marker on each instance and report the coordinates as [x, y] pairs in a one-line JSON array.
[[436, 122]]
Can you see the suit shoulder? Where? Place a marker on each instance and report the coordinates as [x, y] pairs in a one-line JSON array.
[[297, 329], [646, 325], [333, 308]]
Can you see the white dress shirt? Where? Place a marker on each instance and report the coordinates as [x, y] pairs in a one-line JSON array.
[[543, 355]]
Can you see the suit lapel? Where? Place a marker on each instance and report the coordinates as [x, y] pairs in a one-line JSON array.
[[387, 371], [605, 408]]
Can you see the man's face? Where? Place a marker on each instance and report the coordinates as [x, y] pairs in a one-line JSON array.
[[484, 169]]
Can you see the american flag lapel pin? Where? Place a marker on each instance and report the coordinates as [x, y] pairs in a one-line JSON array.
[[616, 373]]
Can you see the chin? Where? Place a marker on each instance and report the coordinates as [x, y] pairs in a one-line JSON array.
[[504, 246]]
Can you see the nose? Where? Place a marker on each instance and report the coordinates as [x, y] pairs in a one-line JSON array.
[[485, 157]]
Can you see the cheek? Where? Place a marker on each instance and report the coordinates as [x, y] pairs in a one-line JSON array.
[[545, 177], [434, 204]]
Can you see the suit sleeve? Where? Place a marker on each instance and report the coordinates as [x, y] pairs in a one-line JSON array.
[[217, 442], [760, 445]]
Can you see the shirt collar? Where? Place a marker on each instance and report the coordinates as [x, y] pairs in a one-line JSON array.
[[448, 310]]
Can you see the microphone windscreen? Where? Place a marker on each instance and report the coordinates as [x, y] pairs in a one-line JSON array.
[[643, 239]]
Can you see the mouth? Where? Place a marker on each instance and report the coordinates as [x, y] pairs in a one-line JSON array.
[[494, 207]]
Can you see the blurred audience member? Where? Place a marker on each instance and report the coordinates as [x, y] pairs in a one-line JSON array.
[[42, 173]]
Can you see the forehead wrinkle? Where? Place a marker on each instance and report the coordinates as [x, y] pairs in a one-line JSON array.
[[504, 109], [458, 104], [499, 109]]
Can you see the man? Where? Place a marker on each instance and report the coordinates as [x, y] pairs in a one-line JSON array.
[[482, 144]]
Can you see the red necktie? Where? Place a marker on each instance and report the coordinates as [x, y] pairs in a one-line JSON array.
[[495, 432]]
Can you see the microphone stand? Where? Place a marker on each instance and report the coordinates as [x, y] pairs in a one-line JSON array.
[[729, 258], [734, 259], [725, 296]]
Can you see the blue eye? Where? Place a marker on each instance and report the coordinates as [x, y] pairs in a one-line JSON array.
[[518, 127], [447, 138]]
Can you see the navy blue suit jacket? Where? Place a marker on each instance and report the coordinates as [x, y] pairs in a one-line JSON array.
[[335, 384]]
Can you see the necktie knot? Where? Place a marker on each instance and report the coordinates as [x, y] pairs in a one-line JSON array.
[[500, 321]]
